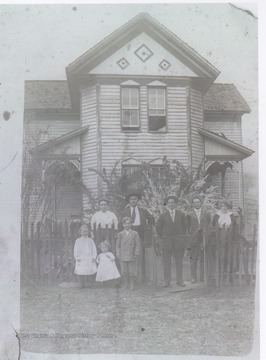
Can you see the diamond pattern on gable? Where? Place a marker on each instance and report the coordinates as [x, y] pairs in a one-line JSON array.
[[143, 53], [164, 64], [152, 53], [123, 63]]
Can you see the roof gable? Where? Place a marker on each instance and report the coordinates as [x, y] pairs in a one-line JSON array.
[[142, 23], [143, 56]]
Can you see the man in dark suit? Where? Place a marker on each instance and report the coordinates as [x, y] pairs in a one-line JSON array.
[[171, 228], [198, 223], [140, 219]]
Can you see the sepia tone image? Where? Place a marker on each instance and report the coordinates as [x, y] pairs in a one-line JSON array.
[[139, 181]]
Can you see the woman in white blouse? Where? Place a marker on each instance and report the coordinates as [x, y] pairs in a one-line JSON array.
[[225, 222], [104, 224]]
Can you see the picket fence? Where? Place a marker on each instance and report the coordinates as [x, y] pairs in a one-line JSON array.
[[230, 261], [47, 255]]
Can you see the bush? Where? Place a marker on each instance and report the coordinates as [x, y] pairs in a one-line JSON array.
[[155, 183]]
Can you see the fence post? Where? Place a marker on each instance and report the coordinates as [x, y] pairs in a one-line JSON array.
[[246, 260], [240, 257], [49, 251], [66, 236], [205, 280], [228, 254], [222, 240], [24, 249], [38, 240], [253, 251], [217, 257], [32, 252]]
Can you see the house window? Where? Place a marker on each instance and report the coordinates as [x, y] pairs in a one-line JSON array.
[[130, 108], [157, 110], [157, 172], [128, 170], [136, 176]]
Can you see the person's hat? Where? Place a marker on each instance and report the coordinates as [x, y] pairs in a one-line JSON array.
[[171, 197], [137, 194], [103, 199]]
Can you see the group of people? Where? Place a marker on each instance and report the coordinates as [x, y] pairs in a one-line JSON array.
[[125, 257]]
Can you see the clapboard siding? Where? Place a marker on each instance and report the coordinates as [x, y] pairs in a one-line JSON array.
[[143, 146], [89, 140], [196, 119], [231, 188], [229, 124]]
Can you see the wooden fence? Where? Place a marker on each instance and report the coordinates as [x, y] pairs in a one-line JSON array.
[[230, 260], [47, 250], [47, 254]]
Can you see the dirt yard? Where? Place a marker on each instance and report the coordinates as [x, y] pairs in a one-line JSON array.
[[150, 320]]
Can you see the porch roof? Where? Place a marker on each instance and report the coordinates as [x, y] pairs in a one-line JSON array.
[[51, 143], [218, 147]]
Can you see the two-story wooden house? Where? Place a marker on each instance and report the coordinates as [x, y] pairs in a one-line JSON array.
[[140, 94]]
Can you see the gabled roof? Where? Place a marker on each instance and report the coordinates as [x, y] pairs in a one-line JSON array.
[[224, 97], [58, 140], [48, 94], [140, 23], [244, 151]]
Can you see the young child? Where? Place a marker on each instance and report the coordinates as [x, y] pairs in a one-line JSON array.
[[128, 251], [85, 254], [107, 269]]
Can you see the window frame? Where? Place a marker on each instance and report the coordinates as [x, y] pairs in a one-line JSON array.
[[162, 87], [160, 167], [129, 129]]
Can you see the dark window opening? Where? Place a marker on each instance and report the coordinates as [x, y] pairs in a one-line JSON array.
[[157, 110]]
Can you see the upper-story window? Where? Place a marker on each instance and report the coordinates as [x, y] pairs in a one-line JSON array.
[[130, 108], [157, 109]]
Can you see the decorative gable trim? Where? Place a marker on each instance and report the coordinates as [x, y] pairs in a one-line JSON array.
[[141, 23], [130, 83], [156, 83], [131, 161], [157, 161]]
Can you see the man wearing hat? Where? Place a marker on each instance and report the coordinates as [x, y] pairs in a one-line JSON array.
[[140, 218], [198, 222], [171, 228]]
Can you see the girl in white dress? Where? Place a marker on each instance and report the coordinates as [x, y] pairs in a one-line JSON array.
[[85, 254], [107, 269]]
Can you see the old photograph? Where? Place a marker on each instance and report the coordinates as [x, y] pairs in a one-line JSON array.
[[139, 179]]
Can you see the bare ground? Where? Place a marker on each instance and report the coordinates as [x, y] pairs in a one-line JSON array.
[[150, 320]]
